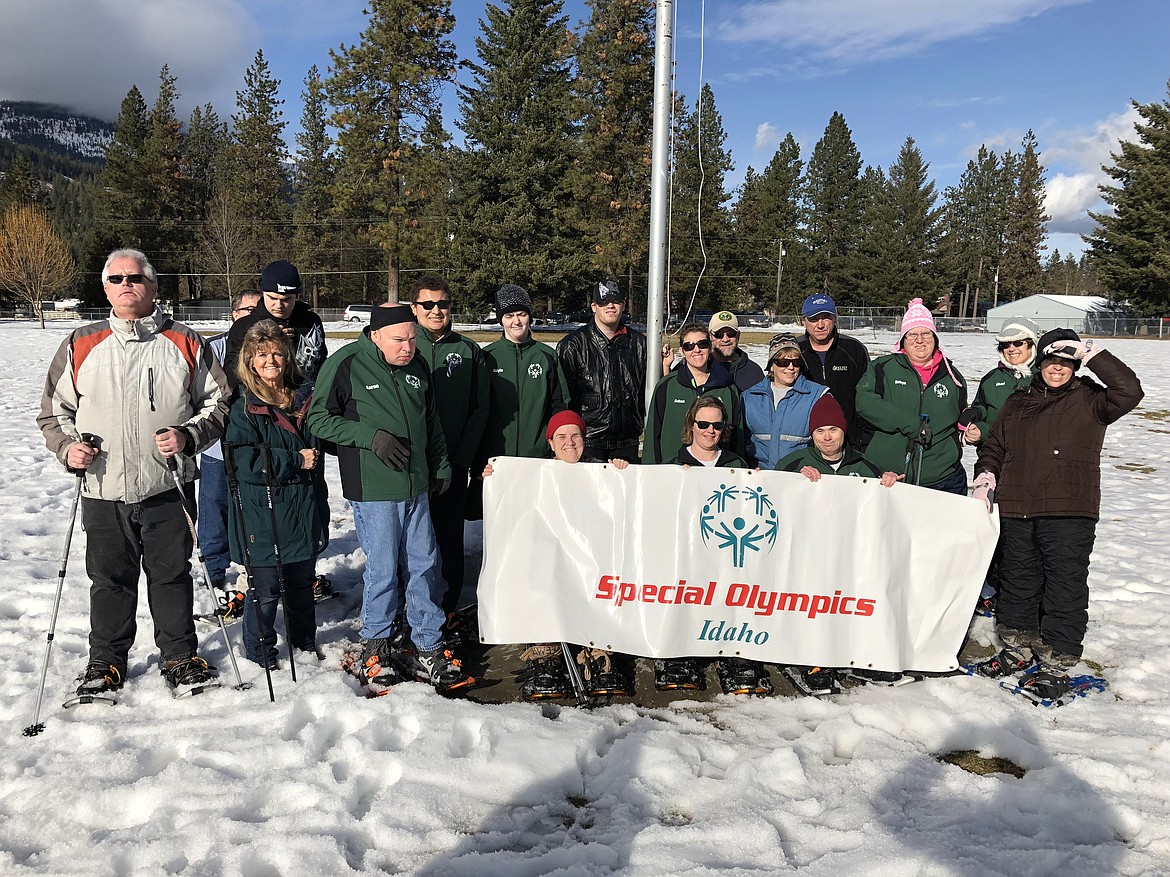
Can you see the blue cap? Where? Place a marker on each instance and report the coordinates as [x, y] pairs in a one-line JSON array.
[[818, 304]]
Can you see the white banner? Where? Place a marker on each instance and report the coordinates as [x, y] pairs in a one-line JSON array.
[[659, 561]]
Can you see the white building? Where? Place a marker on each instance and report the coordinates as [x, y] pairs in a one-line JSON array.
[[1081, 313]]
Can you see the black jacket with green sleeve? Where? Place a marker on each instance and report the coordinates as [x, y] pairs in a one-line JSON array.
[[358, 393]]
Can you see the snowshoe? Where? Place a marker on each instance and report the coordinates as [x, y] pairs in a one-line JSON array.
[[189, 676], [680, 674], [323, 589], [813, 681], [461, 628], [1043, 687], [441, 669], [231, 611], [878, 677], [741, 676], [1004, 663], [98, 681], [602, 676], [373, 667], [545, 676]]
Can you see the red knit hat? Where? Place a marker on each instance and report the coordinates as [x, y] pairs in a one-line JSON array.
[[826, 411], [563, 418]]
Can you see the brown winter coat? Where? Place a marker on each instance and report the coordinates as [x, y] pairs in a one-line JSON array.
[[1045, 447]]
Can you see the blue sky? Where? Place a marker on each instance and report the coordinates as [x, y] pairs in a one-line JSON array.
[[953, 74]]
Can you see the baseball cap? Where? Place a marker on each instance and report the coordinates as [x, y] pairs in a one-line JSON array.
[[723, 320], [818, 304]]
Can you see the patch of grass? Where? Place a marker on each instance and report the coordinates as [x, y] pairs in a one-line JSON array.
[[1157, 414], [1134, 467], [972, 762]]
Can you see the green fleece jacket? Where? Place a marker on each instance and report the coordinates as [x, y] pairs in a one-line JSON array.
[[459, 377], [358, 393], [891, 397], [527, 388], [851, 464]]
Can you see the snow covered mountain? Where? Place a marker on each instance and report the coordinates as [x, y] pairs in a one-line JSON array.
[[55, 129]]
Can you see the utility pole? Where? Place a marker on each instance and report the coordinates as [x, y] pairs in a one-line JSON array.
[[779, 275], [659, 192]]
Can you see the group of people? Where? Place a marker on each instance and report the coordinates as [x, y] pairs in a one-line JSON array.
[[414, 411]]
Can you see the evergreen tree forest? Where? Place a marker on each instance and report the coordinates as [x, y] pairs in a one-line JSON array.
[[543, 180]]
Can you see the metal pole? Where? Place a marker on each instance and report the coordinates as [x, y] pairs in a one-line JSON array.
[[779, 274], [659, 193]]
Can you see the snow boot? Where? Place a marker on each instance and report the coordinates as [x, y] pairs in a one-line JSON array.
[[99, 678], [877, 677], [460, 630], [741, 676], [545, 677], [441, 669], [190, 675], [1004, 663], [1018, 639], [815, 681], [376, 664], [680, 674], [602, 675], [399, 639]]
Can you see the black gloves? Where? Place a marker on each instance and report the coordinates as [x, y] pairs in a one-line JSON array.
[[439, 486], [391, 449], [969, 415]]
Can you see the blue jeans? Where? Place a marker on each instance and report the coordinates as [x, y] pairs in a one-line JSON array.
[[213, 518], [300, 622], [393, 535]]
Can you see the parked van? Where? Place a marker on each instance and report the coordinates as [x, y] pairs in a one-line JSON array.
[[358, 313]]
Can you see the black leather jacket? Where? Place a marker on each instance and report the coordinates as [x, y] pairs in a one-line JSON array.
[[607, 383]]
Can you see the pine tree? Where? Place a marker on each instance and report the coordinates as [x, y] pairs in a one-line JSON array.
[[700, 236], [1130, 248], [767, 221], [312, 185], [976, 220], [384, 90], [257, 179], [521, 221], [1020, 272], [120, 190], [902, 237], [161, 168], [205, 155], [20, 184], [615, 62], [833, 203]]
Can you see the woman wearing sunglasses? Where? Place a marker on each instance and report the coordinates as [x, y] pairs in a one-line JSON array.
[[777, 408], [1017, 355], [695, 376]]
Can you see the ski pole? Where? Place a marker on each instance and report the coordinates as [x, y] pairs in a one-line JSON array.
[[229, 466], [270, 482], [574, 675], [173, 466], [37, 725], [925, 427]]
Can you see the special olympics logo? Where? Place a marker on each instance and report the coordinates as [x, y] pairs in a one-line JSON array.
[[535, 370], [739, 519], [413, 381], [941, 391], [454, 360]]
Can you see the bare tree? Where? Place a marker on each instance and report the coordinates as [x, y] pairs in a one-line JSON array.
[[35, 263], [225, 243]]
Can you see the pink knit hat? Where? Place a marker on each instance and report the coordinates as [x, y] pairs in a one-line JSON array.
[[917, 316]]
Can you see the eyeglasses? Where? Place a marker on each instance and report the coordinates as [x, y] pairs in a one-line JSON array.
[[716, 425], [786, 363], [727, 333], [443, 304], [918, 336], [116, 279], [702, 344], [1004, 345], [244, 310]]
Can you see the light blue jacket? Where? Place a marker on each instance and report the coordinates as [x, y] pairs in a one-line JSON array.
[[778, 430]]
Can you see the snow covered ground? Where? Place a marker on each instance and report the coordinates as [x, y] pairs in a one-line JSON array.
[[325, 783]]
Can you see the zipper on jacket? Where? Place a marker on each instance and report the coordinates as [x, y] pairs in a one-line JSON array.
[[150, 386], [519, 401], [406, 420]]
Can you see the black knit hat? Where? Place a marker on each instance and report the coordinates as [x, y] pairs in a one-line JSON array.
[[512, 298], [390, 315], [280, 277], [1051, 337]]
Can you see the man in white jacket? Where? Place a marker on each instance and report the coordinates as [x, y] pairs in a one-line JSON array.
[[147, 388]]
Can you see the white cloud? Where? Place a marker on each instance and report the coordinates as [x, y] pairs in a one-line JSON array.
[[848, 30], [767, 137], [87, 55]]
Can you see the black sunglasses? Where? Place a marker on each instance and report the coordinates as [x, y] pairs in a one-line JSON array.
[[116, 279], [443, 304], [785, 363], [702, 344], [717, 425], [1004, 345], [727, 333]]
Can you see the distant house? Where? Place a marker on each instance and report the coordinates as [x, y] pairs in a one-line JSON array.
[[1082, 313]]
